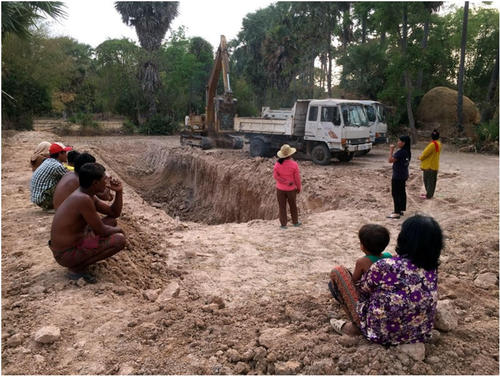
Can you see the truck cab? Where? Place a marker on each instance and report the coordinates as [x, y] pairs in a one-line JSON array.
[[339, 124], [375, 113]]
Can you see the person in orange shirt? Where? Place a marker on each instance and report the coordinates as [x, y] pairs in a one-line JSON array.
[[430, 164], [288, 184]]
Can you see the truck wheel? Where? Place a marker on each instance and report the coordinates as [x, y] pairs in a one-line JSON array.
[[238, 143], [320, 154], [345, 156], [258, 148]]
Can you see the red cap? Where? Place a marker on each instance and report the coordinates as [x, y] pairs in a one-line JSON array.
[[58, 147]]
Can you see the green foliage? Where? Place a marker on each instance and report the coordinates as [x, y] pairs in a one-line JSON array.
[[160, 124], [22, 96], [19, 18], [117, 87], [363, 69], [487, 132], [129, 127], [84, 119]]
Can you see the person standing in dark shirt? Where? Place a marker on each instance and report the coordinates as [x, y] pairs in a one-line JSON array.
[[400, 163]]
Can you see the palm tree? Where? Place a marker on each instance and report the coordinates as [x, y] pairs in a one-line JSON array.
[[20, 17], [151, 21], [460, 114]]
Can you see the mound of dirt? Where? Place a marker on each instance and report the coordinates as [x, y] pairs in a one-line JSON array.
[[438, 109]]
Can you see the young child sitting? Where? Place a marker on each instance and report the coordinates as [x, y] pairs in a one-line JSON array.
[[373, 239]]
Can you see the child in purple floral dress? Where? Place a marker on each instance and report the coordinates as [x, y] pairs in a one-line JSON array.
[[398, 296]]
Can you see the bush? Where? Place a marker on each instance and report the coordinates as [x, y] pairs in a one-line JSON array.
[[160, 124], [486, 136], [129, 127], [84, 119]]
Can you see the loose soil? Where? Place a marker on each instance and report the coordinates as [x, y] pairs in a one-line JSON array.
[[237, 294]]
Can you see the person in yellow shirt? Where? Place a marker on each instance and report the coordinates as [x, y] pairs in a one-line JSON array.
[[430, 164]]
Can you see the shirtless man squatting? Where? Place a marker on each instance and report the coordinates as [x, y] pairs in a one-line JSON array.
[[79, 237]]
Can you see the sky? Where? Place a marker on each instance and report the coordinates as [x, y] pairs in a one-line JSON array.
[[93, 22]]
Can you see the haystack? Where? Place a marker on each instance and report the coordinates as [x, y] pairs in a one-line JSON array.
[[438, 109]]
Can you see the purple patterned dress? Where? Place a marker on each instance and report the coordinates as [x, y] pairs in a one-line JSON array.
[[397, 302]]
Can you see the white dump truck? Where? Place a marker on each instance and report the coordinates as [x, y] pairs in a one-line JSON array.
[[377, 121], [321, 128]]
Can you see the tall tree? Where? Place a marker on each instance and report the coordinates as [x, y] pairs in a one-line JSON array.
[[151, 21], [460, 114], [407, 78]]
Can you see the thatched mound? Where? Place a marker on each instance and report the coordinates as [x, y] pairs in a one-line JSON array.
[[438, 109]]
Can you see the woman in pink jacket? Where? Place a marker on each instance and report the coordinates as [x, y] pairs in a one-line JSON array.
[[287, 176]]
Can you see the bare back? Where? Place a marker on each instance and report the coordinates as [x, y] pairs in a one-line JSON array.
[[68, 225], [67, 185]]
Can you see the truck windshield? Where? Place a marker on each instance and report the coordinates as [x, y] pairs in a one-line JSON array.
[[380, 112], [354, 115], [370, 112]]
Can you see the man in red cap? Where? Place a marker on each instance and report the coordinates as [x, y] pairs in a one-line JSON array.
[[46, 177]]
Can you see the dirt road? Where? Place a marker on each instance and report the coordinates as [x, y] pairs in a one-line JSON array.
[[215, 286]]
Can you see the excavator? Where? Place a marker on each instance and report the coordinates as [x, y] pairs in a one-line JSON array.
[[213, 128]]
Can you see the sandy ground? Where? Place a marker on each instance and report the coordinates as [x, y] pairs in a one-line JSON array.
[[209, 284]]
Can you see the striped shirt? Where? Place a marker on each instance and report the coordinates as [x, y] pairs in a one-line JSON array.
[[46, 176]]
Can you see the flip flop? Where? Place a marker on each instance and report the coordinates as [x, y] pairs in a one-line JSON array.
[[87, 277], [297, 224], [283, 227], [337, 325], [394, 216]]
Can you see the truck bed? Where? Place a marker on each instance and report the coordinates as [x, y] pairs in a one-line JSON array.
[[261, 125]]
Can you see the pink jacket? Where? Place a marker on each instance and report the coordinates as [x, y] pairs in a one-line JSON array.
[[287, 175]]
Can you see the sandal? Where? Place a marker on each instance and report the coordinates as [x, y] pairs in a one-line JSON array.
[[393, 216], [297, 224], [87, 277], [283, 227], [337, 325]]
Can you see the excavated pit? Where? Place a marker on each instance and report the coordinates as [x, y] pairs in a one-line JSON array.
[[200, 187], [221, 186]]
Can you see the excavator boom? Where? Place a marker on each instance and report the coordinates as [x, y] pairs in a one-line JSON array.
[[218, 119]]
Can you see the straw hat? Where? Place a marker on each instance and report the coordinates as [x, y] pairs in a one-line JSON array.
[[286, 151]]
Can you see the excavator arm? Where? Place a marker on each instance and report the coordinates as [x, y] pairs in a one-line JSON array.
[[214, 126], [219, 109]]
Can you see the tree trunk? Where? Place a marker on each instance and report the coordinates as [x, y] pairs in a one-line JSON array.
[[423, 44], [407, 79], [460, 114], [329, 74], [488, 110], [363, 28], [346, 25], [382, 38]]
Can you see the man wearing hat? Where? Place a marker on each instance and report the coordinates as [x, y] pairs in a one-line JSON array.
[[46, 177], [288, 184]]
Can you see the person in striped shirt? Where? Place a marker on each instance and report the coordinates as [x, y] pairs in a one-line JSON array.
[[47, 175]]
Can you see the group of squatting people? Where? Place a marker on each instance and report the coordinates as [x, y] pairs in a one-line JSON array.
[[77, 189], [389, 299]]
